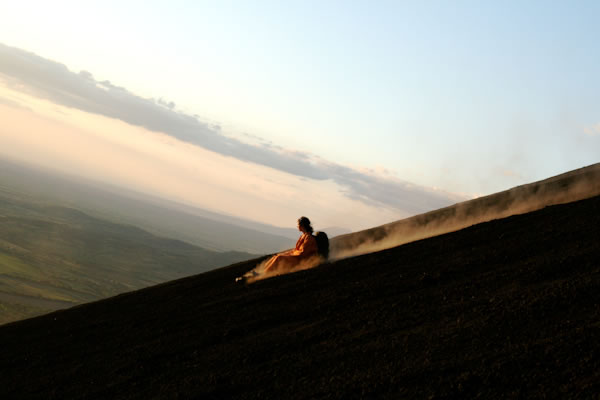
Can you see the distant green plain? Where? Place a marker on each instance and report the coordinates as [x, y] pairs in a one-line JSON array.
[[53, 256]]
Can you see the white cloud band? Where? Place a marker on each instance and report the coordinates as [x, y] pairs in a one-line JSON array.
[[53, 81]]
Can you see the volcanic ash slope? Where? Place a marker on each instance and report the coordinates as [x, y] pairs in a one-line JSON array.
[[505, 309]]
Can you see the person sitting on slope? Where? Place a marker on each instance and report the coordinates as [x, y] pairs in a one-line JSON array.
[[306, 247]]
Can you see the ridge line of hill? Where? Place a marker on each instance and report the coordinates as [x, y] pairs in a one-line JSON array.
[[567, 187]]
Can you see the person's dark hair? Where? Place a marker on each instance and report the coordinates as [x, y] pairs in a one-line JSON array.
[[305, 223]]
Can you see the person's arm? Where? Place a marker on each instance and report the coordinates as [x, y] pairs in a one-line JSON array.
[[293, 251], [307, 247]]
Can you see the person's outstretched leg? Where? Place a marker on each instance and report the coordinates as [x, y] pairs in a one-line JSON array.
[[281, 263], [273, 264]]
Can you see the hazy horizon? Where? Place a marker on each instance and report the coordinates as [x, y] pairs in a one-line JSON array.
[[158, 215]]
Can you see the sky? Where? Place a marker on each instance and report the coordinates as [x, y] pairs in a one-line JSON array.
[[353, 113]]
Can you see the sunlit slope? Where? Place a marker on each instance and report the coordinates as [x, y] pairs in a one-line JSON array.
[[55, 257], [571, 186], [503, 309]]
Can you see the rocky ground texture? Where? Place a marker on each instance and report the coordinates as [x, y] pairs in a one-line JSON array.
[[504, 309]]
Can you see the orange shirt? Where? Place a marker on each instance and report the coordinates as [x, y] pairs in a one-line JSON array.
[[306, 246]]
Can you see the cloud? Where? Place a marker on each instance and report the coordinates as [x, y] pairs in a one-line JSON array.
[[592, 130], [51, 80], [12, 103]]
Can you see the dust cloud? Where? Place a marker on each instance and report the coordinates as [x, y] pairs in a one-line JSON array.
[[258, 273], [571, 186]]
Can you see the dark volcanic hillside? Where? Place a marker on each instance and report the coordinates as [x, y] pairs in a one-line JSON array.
[[505, 309]]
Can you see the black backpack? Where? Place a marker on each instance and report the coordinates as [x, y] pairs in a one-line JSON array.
[[322, 244]]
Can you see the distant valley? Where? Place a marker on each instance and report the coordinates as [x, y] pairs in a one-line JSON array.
[[54, 257], [64, 242]]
